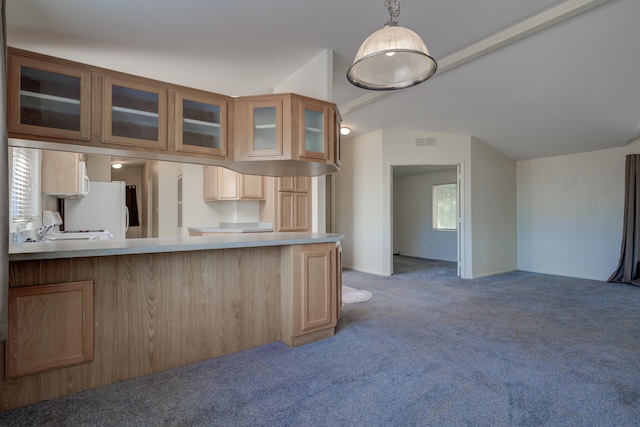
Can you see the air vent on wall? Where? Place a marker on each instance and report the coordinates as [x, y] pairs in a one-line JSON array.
[[425, 142]]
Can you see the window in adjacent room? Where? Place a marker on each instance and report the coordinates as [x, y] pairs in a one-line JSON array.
[[445, 212], [25, 184]]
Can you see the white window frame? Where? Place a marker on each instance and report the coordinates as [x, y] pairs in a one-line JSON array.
[[437, 212]]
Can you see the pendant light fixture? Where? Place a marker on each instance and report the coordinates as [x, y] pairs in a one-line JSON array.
[[392, 58]]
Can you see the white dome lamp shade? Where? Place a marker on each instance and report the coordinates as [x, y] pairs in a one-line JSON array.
[[392, 58]]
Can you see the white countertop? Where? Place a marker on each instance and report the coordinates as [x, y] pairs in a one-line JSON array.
[[88, 248]]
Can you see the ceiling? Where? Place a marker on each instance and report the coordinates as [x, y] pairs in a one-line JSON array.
[[573, 86]]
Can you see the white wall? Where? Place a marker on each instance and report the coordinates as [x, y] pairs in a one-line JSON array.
[[413, 233], [570, 212], [400, 149], [364, 211], [313, 79], [493, 207], [364, 193], [98, 168], [359, 205]]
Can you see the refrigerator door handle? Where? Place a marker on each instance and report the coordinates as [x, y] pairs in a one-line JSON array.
[[86, 185], [126, 210]]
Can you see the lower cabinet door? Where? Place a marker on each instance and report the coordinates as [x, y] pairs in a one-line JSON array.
[[317, 288], [50, 327], [338, 271]]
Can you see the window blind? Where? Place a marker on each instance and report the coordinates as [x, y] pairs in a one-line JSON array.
[[444, 206], [25, 180]]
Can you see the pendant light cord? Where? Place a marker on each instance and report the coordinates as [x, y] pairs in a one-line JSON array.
[[393, 6]]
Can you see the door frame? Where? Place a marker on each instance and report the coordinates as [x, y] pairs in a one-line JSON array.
[[461, 231]]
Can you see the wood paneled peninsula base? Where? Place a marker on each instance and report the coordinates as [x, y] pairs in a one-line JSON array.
[[157, 304]]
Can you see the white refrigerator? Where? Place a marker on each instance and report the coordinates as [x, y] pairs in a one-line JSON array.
[[103, 208]]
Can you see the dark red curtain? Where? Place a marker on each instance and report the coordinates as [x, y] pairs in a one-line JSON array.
[[132, 205]]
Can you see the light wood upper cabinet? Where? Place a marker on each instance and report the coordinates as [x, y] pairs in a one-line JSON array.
[[87, 106], [198, 123], [284, 127], [337, 143], [210, 187], [299, 184], [134, 113], [315, 129], [251, 187], [61, 173], [224, 184], [49, 99], [264, 126]]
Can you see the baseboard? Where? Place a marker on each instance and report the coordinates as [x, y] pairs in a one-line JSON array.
[[376, 273], [424, 257], [478, 276]]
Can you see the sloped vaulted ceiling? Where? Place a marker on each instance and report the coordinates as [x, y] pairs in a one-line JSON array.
[[570, 87]]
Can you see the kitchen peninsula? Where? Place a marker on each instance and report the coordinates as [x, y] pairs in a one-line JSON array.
[[112, 310], [83, 314]]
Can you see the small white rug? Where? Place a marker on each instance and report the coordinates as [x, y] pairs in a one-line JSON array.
[[350, 295]]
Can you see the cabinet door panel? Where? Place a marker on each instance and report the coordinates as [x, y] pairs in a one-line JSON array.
[[228, 184], [302, 212], [337, 142], [338, 271], [265, 134], [134, 114], [48, 99], [286, 212], [60, 172], [251, 187], [302, 184], [50, 326], [210, 187], [200, 124], [286, 183], [314, 134], [317, 309]]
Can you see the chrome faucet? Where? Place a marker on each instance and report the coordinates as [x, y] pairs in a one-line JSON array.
[[44, 230]]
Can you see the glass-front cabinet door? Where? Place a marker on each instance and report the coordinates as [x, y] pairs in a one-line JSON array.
[[200, 124], [134, 114], [265, 136], [337, 143], [314, 132], [45, 98]]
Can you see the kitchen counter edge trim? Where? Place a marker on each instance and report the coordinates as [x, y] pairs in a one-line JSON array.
[[77, 249]]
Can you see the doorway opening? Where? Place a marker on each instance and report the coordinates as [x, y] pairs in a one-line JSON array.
[[426, 213]]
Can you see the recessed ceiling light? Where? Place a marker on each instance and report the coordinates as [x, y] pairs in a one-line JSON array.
[[344, 130], [116, 165]]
